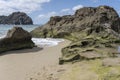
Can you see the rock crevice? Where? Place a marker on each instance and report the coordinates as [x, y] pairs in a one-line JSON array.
[[91, 30]]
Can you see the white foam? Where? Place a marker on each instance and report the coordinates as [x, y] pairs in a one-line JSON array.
[[2, 36], [46, 42]]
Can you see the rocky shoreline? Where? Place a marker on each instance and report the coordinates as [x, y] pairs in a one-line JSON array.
[[94, 32], [89, 53]]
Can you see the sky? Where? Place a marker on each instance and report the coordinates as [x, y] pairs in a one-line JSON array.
[[41, 10]]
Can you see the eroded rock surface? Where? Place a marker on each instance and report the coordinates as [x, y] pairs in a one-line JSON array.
[[91, 29]]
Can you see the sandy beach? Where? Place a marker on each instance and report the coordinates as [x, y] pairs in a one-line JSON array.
[[31, 64]]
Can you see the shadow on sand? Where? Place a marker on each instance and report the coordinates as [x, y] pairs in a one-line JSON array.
[[22, 51]]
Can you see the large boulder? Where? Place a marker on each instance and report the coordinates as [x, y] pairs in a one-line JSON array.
[[16, 38], [16, 18], [94, 32]]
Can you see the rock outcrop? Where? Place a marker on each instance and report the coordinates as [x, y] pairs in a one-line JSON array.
[[16, 38], [91, 30], [16, 18], [87, 17]]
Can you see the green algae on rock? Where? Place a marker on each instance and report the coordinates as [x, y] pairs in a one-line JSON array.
[[92, 30]]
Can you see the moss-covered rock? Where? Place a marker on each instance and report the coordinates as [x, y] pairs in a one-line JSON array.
[[93, 31]]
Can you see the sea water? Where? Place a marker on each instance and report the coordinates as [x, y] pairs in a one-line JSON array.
[[44, 42]]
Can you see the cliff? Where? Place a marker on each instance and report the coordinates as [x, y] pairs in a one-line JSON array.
[[94, 32], [16, 18]]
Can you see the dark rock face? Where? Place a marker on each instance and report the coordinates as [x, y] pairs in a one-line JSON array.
[[16, 38], [87, 17], [91, 30], [16, 18]]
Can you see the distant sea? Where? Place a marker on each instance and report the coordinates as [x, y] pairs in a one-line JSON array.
[[45, 42], [5, 28]]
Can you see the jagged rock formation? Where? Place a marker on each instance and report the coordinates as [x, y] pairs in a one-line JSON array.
[[16, 18], [91, 30], [86, 17], [16, 38]]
